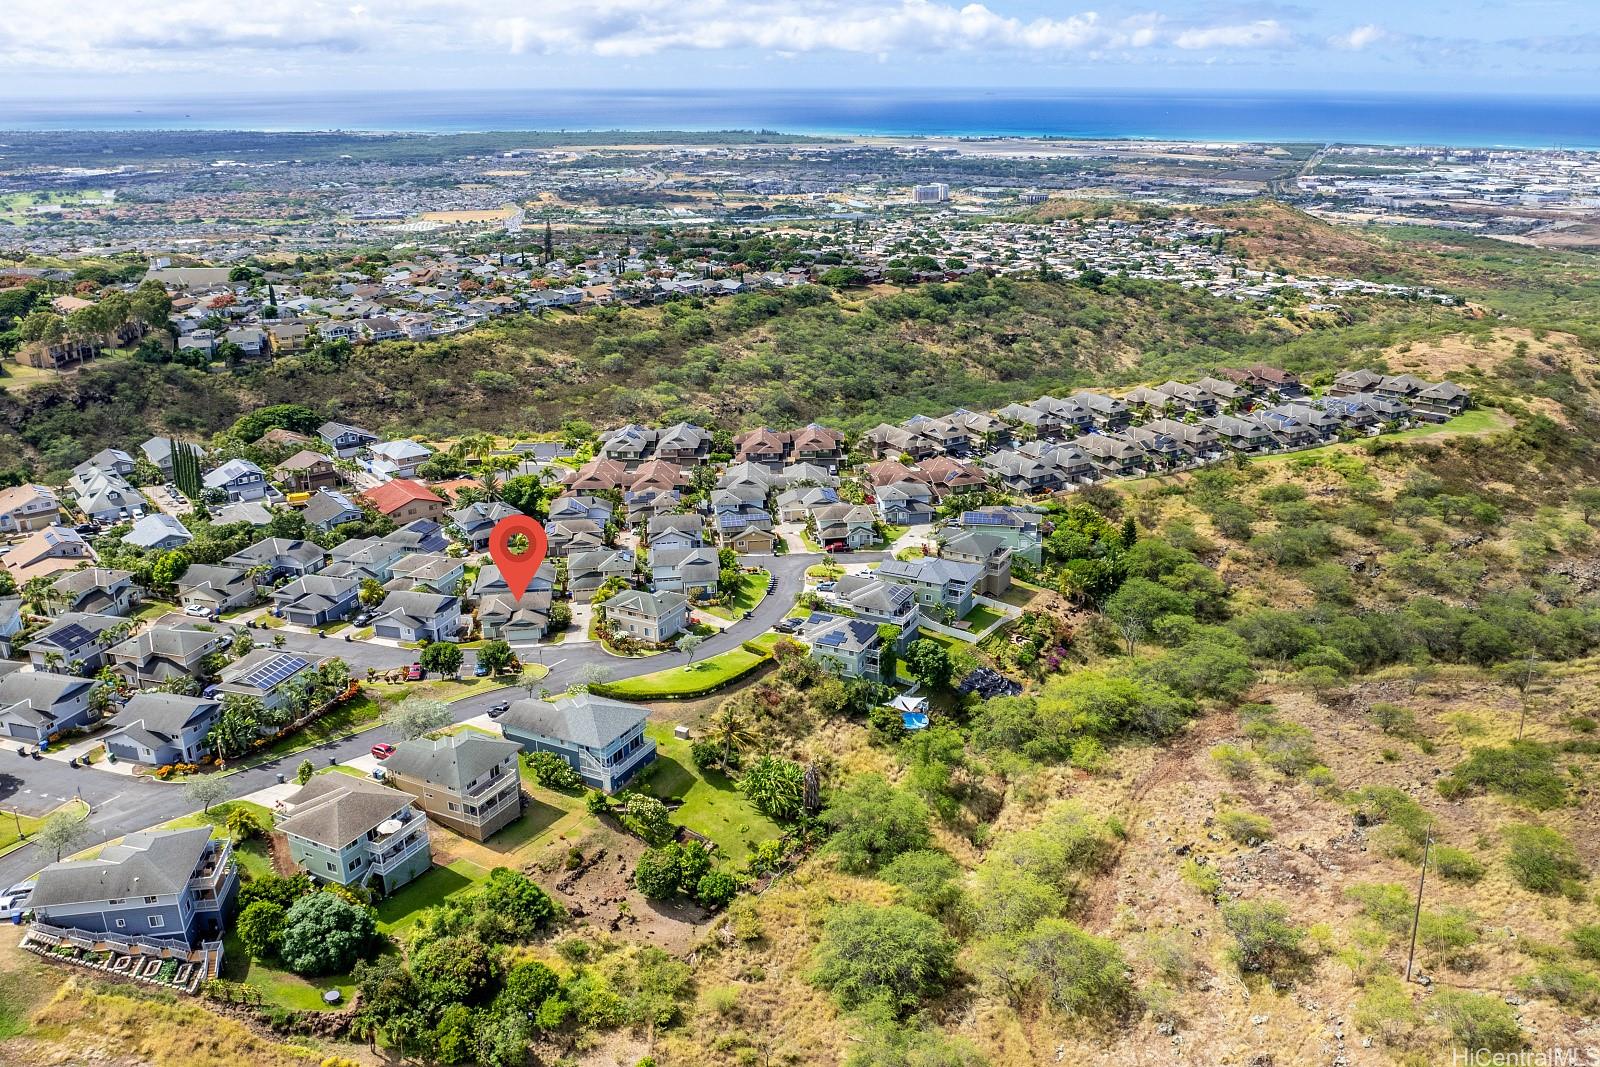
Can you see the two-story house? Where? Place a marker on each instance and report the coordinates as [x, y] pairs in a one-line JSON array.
[[414, 616], [307, 471], [178, 884], [158, 729], [166, 651], [97, 590], [356, 832], [279, 557], [652, 617], [476, 521], [602, 739], [467, 781], [75, 641], [398, 459], [238, 479], [159, 532], [264, 674], [938, 583], [990, 553], [346, 440], [328, 508], [25, 508], [35, 704], [317, 599], [216, 589], [403, 501], [851, 647]]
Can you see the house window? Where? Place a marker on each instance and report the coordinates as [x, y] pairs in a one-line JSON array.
[[151, 900], [156, 921], [121, 923], [455, 807], [330, 866]]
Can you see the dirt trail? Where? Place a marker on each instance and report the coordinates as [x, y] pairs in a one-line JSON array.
[[1174, 764]]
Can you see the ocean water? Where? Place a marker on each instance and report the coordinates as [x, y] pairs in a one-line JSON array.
[[1362, 118]]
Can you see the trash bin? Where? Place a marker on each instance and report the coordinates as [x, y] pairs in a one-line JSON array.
[[333, 761], [282, 778]]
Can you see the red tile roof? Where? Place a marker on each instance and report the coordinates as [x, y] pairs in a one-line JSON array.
[[394, 495]]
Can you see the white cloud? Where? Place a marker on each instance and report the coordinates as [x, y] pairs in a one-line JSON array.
[[1263, 33], [1358, 38], [113, 35]]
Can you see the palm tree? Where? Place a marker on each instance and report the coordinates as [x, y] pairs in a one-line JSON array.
[[730, 727]]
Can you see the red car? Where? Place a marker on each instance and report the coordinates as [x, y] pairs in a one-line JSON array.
[[414, 673], [383, 750]]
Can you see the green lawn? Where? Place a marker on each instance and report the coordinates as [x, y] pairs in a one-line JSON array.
[[1476, 421], [752, 590], [154, 609], [981, 618], [280, 987], [217, 817], [398, 911], [712, 805], [825, 571], [353, 716], [11, 823], [691, 679]]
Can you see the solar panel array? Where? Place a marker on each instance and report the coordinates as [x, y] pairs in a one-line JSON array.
[[70, 636], [275, 670]]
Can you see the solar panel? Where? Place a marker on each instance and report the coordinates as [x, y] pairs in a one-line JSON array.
[[984, 518], [274, 671], [70, 636]]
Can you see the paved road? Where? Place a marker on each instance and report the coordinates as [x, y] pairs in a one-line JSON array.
[[123, 804]]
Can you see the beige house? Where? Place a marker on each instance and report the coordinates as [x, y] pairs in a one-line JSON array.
[[467, 781]]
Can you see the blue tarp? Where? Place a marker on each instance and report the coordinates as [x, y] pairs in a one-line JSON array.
[[914, 720]]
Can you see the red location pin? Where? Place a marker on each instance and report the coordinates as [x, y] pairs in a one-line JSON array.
[[518, 569]]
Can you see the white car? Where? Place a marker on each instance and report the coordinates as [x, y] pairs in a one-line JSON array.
[[15, 900], [198, 610]]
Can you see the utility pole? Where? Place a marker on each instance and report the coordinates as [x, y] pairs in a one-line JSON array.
[[1416, 915]]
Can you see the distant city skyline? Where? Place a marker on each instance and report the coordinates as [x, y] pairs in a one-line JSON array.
[[93, 47]]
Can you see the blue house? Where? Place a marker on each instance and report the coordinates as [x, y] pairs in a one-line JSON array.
[[163, 728], [177, 884], [602, 739]]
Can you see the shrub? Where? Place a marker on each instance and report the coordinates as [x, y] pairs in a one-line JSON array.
[[1586, 941], [1386, 1010], [1203, 877], [1476, 1021], [260, 926], [515, 898], [326, 934], [1286, 747], [1245, 827], [1264, 938], [1068, 969], [775, 786], [716, 888], [1565, 984], [872, 822], [553, 772], [929, 880], [1233, 761], [893, 954], [1542, 860], [1524, 770], [647, 817], [1456, 864], [1393, 719]]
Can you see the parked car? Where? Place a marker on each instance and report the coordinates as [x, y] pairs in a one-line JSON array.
[[480, 669], [827, 587], [15, 900], [383, 750], [198, 611], [499, 709], [414, 673]]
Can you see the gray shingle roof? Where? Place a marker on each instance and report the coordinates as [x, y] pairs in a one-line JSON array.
[[336, 809], [584, 719], [148, 863], [450, 762]]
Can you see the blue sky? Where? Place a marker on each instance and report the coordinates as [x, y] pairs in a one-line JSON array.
[[96, 47]]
